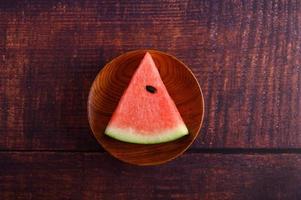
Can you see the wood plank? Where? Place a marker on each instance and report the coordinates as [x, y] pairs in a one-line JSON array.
[[193, 176], [246, 56]]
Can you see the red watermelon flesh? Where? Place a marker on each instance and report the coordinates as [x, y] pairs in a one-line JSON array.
[[146, 114]]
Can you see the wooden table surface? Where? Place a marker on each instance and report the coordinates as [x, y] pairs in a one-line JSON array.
[[246, 56]]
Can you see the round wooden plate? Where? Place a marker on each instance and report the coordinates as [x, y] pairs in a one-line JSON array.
[[108, 87]]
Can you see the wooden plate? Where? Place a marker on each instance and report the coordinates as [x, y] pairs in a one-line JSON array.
[[108, 87]]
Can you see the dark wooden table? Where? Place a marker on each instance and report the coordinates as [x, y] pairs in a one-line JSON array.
[[245, 54]]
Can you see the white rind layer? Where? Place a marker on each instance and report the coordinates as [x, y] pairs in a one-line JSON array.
[[133, 136]]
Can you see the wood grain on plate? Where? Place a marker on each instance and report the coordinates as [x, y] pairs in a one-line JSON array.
[[110, 84]]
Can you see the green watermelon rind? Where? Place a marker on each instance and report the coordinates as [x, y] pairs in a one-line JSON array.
[[132, 136]]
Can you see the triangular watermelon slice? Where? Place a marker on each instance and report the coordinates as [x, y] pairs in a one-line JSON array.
[[146, 114]]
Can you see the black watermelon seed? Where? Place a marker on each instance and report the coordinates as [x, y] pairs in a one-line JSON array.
[[151, 89]]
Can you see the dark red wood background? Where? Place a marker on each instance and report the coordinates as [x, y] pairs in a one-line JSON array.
[[245, 54]]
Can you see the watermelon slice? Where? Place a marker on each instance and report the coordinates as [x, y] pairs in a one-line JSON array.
[[146, 114]]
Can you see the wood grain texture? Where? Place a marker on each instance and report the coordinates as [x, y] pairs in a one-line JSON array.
[[245, 54], [108, 87], [192, 176]]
